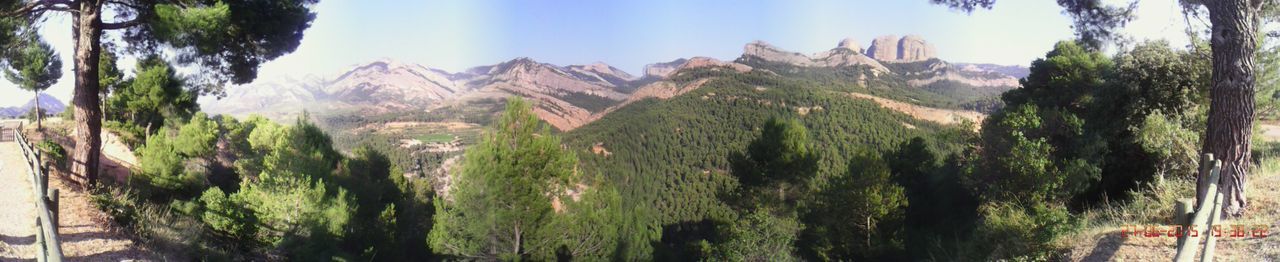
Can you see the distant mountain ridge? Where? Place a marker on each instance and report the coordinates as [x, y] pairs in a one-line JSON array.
[[49, 103], [573, 95]]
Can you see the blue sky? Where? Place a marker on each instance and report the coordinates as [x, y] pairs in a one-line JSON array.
[[458, 34]]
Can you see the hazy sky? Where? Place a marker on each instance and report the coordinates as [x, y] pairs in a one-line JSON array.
[[458, 34]]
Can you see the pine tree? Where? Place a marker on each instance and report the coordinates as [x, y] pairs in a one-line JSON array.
[[33, 67], [500, 202]]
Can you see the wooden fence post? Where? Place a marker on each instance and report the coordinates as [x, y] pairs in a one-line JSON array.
[[1182, 213], [1202, 185], [42, 254], [53, 208], [1201, 221], [1211, 242]]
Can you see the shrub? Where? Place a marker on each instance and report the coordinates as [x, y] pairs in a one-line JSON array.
[[53, 152], [226, 216], [173, 235], [130, 135], [163, 169], [1010, 231]]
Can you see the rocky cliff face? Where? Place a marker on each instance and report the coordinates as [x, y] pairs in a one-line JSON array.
[[662, 70], [884, 48], [601, 73], [911, 48], [763, 50], [846, 53]]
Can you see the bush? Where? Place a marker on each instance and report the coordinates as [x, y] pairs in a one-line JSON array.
[[226, 216], [759, 236], [173, 235], [53, 152], [130, 135], [164, 170], [1010, 231]]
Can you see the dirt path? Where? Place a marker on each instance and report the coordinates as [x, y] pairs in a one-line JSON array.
[[86, 233], [17, 211]]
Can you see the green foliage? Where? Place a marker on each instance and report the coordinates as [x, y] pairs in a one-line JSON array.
[[777, 167], [33, 66], [226, 216], [154, 95], [1171, 142], [759, 236], [110, 77], [130, 135], [1070, 130], [196, 138], [942, 208], [171, 234], [524, 161], [52, 151], [1084, 128], [855, 216], [1267, 74], [294, 195], [1008, 230], [230, 38], [589, 229], [162, 168], [673, 170]]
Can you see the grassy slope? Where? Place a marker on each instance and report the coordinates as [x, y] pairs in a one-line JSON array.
[[1100, 238]]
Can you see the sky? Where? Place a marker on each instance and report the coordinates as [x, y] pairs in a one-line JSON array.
[[458, 34]]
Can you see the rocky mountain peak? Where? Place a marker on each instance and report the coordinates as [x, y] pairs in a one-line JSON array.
[[851, 44], [910, 48], [601, 73], [913, 48], [662, 70]]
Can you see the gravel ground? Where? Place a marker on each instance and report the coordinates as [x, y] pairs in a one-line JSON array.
[[17, 209]]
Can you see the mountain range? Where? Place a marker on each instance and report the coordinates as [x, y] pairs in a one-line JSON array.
[[47, 102], [570, 96]]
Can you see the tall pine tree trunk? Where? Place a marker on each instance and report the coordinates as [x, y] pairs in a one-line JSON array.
[[88, 114], [1234, 41], [39, 112]]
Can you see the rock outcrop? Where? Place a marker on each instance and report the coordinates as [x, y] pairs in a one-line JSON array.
[[851, 44], [847, 53], [662, 70], [910, 48], [763, 50], [702, 61], [913, 48], [601, 73], [884, 48]]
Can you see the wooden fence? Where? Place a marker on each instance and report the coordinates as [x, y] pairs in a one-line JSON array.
[[1198, 224], [50, 249]]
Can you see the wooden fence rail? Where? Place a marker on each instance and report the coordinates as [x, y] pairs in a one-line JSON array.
[[50, 249], [1198, 224]]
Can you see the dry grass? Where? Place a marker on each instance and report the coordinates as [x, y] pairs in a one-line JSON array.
[[1101, 239]]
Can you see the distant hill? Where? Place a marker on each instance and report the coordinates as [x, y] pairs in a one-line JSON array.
[[47, 102], [570, 96]]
